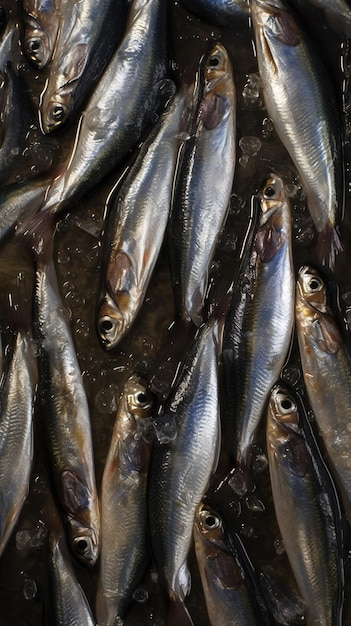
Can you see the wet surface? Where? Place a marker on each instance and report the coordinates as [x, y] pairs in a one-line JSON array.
[[152, 347]]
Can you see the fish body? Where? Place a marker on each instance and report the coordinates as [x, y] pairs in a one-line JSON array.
[[65, 421], [67, 604], [16, 433], [299, 99], [327, 374], [260, 322], [223, 579], [136, 226], [338, 13], [87, 36], [124, 540], [304, 512], [218, 11], [181, 468], [42, 20], [203, 185]]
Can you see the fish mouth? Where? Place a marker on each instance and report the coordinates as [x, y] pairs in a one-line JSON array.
[[110, 324]]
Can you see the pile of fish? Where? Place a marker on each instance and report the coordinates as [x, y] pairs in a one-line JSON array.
[[175, 359]]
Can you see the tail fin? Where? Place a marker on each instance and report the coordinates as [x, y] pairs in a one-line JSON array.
[[178, 614], [329, 245], [39, 230]]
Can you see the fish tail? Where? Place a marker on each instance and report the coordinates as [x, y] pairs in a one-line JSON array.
[[178, 614], [329, 245], [38, 230]]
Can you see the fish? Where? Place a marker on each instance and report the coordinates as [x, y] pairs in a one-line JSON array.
[[297, 92], [181, 466], [327, 374], [124, 537], [88, 34], [119, 110], [64, 417], [136, 225], [260, 322], [42, 19], [309, 525], [17, 396], [65, 602], [224, 581], [203, 184], [218, 11]]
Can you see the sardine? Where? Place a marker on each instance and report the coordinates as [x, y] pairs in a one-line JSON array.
[[299, 99], [224, 582], [260, 322], [136, 225], [88, 34], [337, 12], [42, 20], [181, 468], [16, 432], [65, 421], [218, 11], [120, 108], [203, 185], [124, 540], [307, 521], [65, 603], [327, 374]]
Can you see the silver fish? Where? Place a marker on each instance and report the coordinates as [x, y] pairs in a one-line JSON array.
[[16, 432], [89, 32], [124, 540], [66, 603], [327, 374], [224, 582], [181, 468], [136, 226], [337, 12], [42, 20], [203, 185], [304, 511], [65, 418], [260, 323], [299, 99], [117, 112], [218, 11]]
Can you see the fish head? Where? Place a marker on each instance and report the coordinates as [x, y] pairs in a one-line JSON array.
[[283, 407], [217, 73], [111, 323], [138, 403], [311, 289], [37, 42], [272, 196], [275, 21], [84, 543], [54, 115]]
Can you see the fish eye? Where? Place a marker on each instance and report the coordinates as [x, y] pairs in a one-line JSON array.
[[213, 61], [106, 325], [269, 191], [58, 113], [34, 45], [141, 398], [210, 521], [82, 546], [315, 284]]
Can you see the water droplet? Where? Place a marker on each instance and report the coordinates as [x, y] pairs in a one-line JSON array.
[[250, 145], [279, 546], [165, 428], [106, 400], [260, 463], [254, 504], [251, 91], [347, 297], [243, 160], [246, 530], [29, 589], [237, 482], [267, 127], [292, 375], [22, 539], [63, 257], [141, 595], [235, 506]]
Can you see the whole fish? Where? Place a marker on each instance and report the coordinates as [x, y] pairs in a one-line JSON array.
[[88, 34], [65, 421], [118, 111], [16, 432], [304, 511], [218, 11], [65, 603], [181, 468], [42, 19], [327, 374], [260, 322], [338, 13], [124, 540], [225, 584], [136, 225], [203, 185], [299, 99]]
